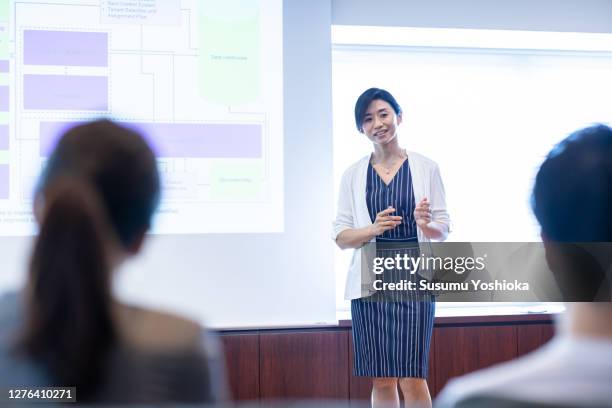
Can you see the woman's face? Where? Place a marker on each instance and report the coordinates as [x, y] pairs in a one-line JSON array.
[[380, 122]]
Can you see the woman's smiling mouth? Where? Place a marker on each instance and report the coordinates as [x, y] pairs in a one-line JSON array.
[[380, 133]]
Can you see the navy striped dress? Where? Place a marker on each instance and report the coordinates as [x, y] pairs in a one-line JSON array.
[[392, 336]]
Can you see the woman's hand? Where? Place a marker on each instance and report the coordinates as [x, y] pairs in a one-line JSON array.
[[432, 230], [422, 213], [357, 237], [385, 222]]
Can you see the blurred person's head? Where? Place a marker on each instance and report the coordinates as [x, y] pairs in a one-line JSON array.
[[572, 201], [94, 204]]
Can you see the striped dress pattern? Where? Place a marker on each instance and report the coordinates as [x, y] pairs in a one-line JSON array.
[[392, 336]]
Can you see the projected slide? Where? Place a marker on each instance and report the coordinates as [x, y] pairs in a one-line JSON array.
[[201, 79]]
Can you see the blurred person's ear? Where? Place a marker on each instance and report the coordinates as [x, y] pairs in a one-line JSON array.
[[548, 249], [577, 270], [136, 245], [561, 268], [554, 261]]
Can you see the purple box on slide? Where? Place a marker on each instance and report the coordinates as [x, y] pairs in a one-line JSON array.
[[202, 140], [186, 140], [65, 92], [67, 48], [4, 181], [4, 66]]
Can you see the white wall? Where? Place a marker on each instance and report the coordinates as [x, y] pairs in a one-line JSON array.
[[537, 15]]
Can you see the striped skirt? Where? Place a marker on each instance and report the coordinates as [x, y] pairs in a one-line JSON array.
[[392, 338]]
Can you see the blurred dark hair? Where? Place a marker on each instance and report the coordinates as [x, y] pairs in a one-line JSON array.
[[572, 195], [98, 191], [572, 200], [366, 98], [118, 164]]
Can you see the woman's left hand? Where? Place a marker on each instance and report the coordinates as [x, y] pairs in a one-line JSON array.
[[422, 213]]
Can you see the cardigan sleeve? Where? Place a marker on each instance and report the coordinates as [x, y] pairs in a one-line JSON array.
[[439, 212], [344, 217]]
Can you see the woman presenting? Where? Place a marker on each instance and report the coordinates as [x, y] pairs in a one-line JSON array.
[[390, 195]]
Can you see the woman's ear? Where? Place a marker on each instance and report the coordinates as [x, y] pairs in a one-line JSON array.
[[399, 118]]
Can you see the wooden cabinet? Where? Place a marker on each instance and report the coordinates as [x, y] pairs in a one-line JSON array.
[[460, 350], [317, 363], [242, 365], [304, 365], [532, 336]]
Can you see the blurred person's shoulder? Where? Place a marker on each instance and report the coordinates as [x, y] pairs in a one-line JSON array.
[[549, 375], [10, 317], [15, 371], [175, 354], [157, 331], [10, 303]]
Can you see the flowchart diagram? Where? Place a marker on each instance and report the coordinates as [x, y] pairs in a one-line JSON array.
[[202, 81]]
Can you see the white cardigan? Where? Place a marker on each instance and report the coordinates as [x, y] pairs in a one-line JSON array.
[[353, 210]]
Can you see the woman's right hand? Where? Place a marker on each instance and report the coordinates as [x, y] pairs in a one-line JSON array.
[[385, 222]]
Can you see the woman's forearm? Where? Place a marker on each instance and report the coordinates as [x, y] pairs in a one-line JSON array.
[[355, 237], [435, 230]]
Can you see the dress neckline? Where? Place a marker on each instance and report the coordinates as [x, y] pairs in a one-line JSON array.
[[394, 174]]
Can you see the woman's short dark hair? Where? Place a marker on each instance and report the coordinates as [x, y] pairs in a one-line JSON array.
[[366, 98], [572, 195]]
